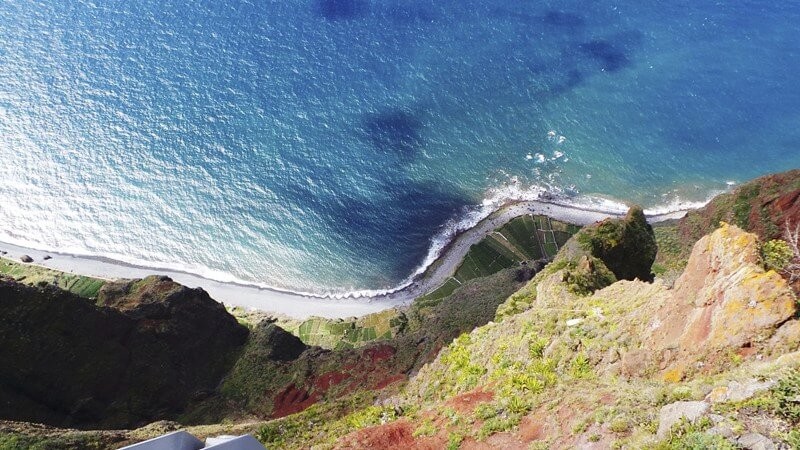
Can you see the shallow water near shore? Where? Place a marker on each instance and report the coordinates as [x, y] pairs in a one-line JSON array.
[[327, 145]]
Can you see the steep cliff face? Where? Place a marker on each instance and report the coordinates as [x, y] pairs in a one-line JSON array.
[[724, 301], [762, 206], [68, 362], [588, 369], [597, 256], [278, 375]]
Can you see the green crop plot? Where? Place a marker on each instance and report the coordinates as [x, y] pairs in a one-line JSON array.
[[525, 238], [86, 287], [338, 334]]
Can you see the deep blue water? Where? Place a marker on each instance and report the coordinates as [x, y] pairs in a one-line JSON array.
[[321, 145]]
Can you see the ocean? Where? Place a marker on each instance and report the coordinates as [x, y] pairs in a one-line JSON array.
[[333, 146]]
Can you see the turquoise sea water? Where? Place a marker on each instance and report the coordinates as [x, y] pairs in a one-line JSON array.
[[329, 145]]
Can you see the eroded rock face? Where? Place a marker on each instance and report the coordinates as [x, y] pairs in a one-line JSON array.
[[762, 206], [67, 362], [723, 301]]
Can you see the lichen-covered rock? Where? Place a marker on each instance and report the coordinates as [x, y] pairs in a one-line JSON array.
[[738, 391], [723, 301], [786, 339]]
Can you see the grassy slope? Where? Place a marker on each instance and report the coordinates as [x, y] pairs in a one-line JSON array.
[[86, 287]]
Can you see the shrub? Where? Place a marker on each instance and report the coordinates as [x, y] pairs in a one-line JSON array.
[[426, 429], [497, 425], [454, 441], [793, 439], [776, 255], [485, 411], [787, 393], [619, 425], [580, 367]]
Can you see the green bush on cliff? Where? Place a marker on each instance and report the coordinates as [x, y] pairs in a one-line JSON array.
[[776, 255], [589, 275], [627, 246], [787, 394]]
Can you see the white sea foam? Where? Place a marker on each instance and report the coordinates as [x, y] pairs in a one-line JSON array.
[[495, 199]]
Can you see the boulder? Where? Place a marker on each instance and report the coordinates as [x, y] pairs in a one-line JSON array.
[[26, 259], [756, 441], [671, 414], [737, 392]]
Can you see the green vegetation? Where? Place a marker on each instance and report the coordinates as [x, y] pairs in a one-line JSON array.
[[526, 238], [321, 424], [781, 400], [672, 254], [692, 436], [351, 333], [33, 275], [787, 397], [87, 441], [627, 247], [742, 204], [426, 429], [776, 255]]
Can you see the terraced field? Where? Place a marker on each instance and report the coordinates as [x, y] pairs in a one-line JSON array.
[[338, 334], [526, 238], [33, 275]]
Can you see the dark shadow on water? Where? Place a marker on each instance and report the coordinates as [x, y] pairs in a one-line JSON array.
[[399, 221], [341, 9], [569, 81], [395, 132], [613, 52], [606, 54]]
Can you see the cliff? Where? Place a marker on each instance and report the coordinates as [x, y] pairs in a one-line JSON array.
[[762, 206], [152, 347], [596, 370]]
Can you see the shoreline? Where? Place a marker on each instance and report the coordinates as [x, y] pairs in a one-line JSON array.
[[301, 305]]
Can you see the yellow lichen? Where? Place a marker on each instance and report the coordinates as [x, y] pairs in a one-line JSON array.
[[673, 375]]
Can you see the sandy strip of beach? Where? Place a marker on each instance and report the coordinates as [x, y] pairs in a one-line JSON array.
[[300, 306]]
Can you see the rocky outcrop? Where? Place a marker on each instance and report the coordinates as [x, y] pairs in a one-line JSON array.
[[626, 246], [151, 349], [723, 302]]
